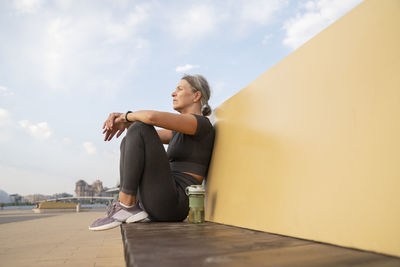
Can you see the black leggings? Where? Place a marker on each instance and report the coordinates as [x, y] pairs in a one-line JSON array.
[[145, 172]]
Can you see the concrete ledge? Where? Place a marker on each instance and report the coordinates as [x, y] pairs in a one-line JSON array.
[[59, 210], [51, 207], [57, 205], [211, 244]]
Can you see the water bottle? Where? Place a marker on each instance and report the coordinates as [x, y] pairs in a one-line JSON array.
[[196, 203]]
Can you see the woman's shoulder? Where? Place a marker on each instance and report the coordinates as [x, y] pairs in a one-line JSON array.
[[204, 126], [203, 120]]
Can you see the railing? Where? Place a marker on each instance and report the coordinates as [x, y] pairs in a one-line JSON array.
[[78, 198]]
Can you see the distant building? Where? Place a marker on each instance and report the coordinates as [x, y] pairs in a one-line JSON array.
[[15, 198], [83, 189], [61, 195], [4, 197], [36, 197]]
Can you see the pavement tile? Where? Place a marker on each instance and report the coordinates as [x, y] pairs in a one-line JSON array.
[[57, 240], [109, 262], [79, 263]]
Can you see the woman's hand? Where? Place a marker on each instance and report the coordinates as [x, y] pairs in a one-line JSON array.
[[115, 124], [108, 124]]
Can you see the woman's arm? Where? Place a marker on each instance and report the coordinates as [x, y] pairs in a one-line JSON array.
[[165, 135], [184, 123]]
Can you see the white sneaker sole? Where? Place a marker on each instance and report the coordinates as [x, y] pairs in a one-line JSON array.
[[106, 226], [137, 217]]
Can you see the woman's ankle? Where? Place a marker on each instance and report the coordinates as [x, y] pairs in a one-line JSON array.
[[126, 199], [126, 206]]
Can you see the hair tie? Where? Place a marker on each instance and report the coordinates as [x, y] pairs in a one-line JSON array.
[[206, 109]]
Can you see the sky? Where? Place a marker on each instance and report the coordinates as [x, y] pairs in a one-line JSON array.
[[66, 64]]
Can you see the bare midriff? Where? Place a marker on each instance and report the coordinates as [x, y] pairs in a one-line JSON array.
[[198, 177]]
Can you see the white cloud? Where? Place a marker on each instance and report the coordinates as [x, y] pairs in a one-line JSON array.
[[127, 29], [40, 130], [193, 23], [4, 137], [316, 16], [186, 67], [70, 47], [245, 16], [4, 116], [5, 120], [259, 11], [266, 39], [89, 148], [27, 6], [5, 92]]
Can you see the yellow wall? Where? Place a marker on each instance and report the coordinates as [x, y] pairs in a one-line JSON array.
[[311, 148]]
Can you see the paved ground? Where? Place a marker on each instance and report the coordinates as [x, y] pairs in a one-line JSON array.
[[211, 244], [59, 239]]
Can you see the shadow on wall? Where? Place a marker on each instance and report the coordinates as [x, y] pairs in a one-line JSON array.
[[213, 199]]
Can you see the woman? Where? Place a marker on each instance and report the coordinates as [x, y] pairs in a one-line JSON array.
[[152, 182]]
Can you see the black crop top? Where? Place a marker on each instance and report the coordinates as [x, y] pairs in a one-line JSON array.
[[192, 153]]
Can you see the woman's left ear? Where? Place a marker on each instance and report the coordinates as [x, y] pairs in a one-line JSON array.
[[197, 96]]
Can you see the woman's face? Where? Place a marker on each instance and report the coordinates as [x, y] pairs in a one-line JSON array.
[[183, 96]]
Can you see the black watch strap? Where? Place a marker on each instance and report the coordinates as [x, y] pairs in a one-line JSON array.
[[126, 115]]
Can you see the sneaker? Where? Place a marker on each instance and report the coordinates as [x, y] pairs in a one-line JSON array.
[[118, 214]]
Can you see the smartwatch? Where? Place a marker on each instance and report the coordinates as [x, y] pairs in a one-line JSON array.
[[126, 115]]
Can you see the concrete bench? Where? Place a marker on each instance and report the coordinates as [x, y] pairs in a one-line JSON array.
[[212, 244]]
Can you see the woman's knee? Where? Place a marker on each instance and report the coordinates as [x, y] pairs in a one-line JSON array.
[[139, 128], [137, 125]]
